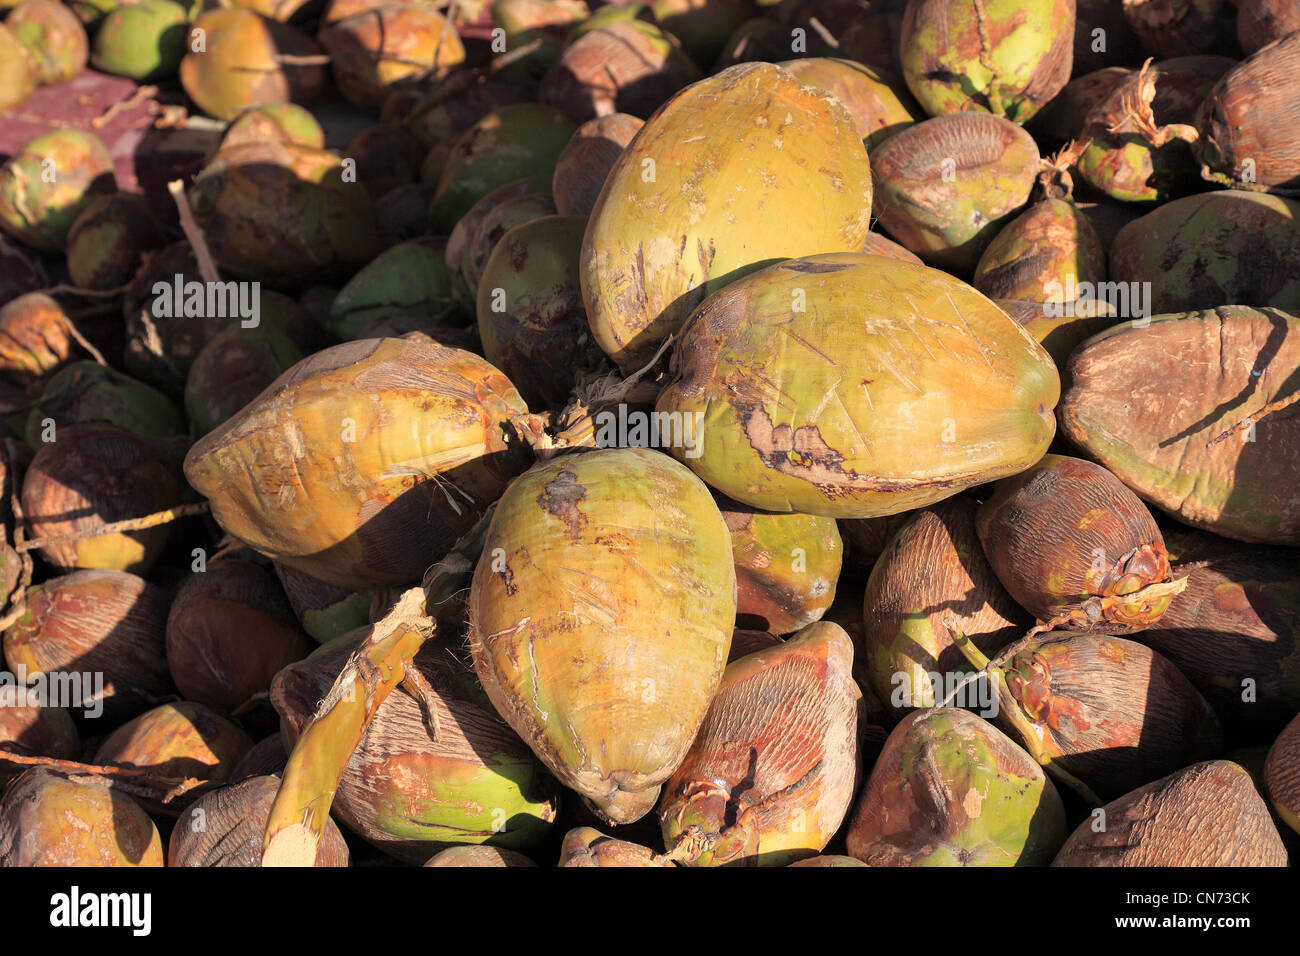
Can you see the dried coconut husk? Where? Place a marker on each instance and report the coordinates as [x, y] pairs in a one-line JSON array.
[[1208, 814], [1076, 548], [224, 828]]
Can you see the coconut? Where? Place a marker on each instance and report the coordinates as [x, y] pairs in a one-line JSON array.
[[950, 789], [945, 187], [584, 846], [410, 279], [515, 142], [1004, 58], [786, 565], [49, 819], [772, 771], [585, 164], [388, 499], [1047, 249], [659, 564], [231, 630], [1282, 775], [267, 756], [458, 856], [48, 183], [879, 423], [654, 249], [1156, 429], [1208, 814], [143, 41], [531, 320], [107, 623], [626, 67], [1137, 137], [239, 63], [93, 475], [35, 340], [932, 571], [1235, 633], [224, 828], [436, 767], [1103, 714], [108, 241], [1074, 546], [182, 741], [374, 50], [1234, 141], [53, 36], [318, 224]]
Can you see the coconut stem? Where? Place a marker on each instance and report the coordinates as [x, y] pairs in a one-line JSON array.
[[207, 267], [964, 644], [375, 670], [144, 779], [1028, 732], [1244, 425], [311, 777], [117, 527]]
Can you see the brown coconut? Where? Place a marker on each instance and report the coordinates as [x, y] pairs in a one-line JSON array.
[[106, 623], [1208, 814]]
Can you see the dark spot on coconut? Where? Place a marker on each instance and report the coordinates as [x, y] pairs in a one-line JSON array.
[[561, 498], [814, 267], [518, 255], [508, 580]]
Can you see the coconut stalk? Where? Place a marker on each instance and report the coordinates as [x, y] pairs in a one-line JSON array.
[[301, 809], [1029, 737]]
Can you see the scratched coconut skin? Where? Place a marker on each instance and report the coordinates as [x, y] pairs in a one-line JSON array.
[[773, 768], [600, 628], [888, 357], [950, 789], [730, 154], [429, 453], [1215, 369], [947, 47], [784, 594]]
